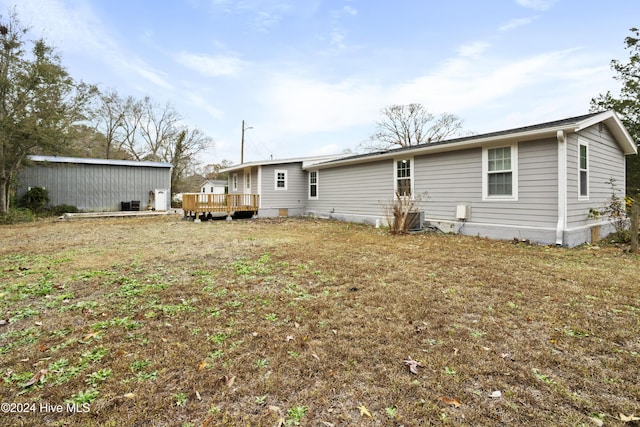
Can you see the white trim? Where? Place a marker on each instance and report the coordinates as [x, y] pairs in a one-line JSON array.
[[412, 167], [259, 187], [583, 142], [317, 184], [514, 174], [562, 187], [275, 179]]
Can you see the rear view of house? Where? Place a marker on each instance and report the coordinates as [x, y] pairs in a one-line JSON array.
[[536, 182]]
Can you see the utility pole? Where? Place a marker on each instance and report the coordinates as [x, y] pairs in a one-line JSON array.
[[242, 147]]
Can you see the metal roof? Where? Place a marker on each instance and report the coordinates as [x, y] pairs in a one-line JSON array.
[[88, 161]]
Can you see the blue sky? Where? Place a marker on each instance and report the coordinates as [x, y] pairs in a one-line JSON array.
[[311, 76]]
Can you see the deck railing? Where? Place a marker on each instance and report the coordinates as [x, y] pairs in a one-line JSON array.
[[195, 203]]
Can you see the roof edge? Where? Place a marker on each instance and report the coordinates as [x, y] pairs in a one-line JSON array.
[[92, 161]]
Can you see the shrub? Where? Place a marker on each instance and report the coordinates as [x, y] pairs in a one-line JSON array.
[[16, 215], [62, 209], [36, 199], [615, 211]]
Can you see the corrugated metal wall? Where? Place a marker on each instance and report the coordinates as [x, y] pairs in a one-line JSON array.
[[92, 187]]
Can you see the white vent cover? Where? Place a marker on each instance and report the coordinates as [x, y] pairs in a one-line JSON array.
[[462, 211]]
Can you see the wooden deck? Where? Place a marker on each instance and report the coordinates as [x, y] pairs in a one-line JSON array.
[[195, 204]]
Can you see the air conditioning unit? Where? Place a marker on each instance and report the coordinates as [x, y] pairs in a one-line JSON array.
[[415, 220]]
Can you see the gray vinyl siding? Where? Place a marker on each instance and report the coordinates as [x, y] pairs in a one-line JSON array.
[[449, 179], [92, 187], [606, 161], [537, 204], [294, 197], [445, 180], [360, 190]]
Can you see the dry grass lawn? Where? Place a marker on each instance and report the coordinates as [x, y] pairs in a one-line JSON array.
[[164, 322]]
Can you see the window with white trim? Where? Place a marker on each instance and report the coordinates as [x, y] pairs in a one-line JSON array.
[[403, 183], [280, 179], [313, 184], [583, 171], [500, 173], [234, 182]]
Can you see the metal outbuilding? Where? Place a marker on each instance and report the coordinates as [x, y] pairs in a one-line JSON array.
[[99, 185]]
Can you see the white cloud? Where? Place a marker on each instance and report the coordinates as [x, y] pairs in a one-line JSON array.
[[337, 38], [350, 10], [515, 23], [74, 29], [300, 105], [211, 65], [536, 4], [473, 49]]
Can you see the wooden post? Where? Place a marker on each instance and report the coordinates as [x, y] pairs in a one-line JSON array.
[[634, 226]]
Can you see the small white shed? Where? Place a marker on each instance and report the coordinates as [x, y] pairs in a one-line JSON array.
[[213, 186]]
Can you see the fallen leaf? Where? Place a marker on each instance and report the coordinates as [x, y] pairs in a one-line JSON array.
[[39, 377], [597, 421], [129, 395], [496, 394], [4, 322], [455, 351], [288, 338], [628, 418], [413, 365], [451, 402], [202, 365], [91, 335], [198, 395], [315, 356], [275, 409], [38, 323], [228, 381], [364, 411], [164, 339], [327, 424]]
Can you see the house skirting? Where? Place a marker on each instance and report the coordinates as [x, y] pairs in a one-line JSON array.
[[280, 212]]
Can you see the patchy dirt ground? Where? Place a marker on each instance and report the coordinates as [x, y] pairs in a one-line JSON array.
[[163, 322]]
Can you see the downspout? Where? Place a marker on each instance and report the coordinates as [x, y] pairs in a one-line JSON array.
[[562, 187]]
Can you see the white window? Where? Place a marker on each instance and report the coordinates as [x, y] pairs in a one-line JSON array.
[[280, 179], [583, 170], [403, 184], [500, 173], [313, 184], [234, 182], [247, 181]]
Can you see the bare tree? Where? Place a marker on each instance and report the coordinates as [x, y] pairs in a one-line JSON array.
[[108, 120], [181, 152], [159, 130], [409, 125]]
